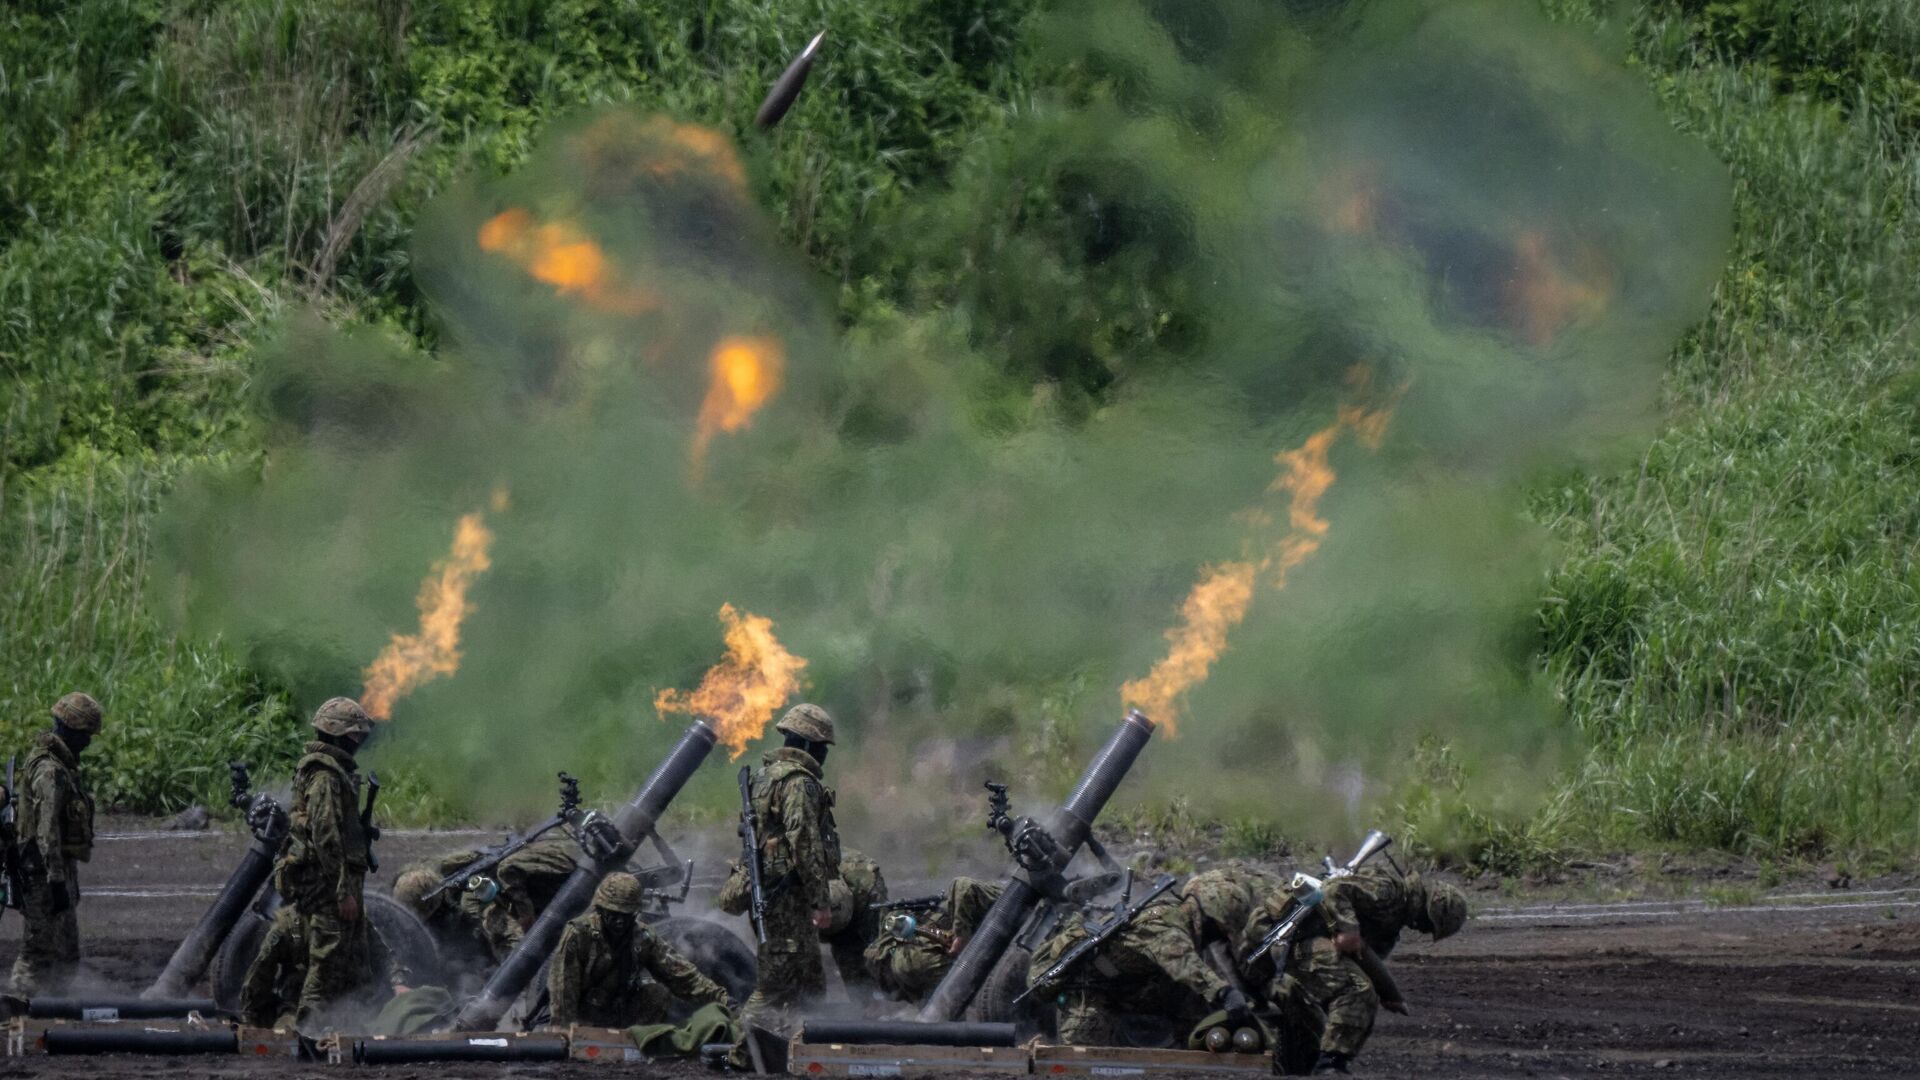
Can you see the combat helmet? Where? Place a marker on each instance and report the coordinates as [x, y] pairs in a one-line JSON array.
[[619, 892], [412, 887], [810, 722], [79, 712], [342, 716], [1446, 910]]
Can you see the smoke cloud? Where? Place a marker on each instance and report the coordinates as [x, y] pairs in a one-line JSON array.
[[975, 511]]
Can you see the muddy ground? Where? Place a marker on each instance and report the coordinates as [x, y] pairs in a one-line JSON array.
[[1803, 979]]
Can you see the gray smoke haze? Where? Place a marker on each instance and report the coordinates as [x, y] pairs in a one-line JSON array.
[[1224, 213]]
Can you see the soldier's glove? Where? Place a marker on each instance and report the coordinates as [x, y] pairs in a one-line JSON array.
[[1239, 1010], [58, 899]]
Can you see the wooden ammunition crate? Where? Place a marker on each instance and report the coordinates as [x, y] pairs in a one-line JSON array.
[[1127, 1061], [268, 1043], [838, 1059], [605, 1046]]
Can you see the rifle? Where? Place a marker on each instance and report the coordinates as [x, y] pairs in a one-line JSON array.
[[367, 826], [911, 903], [750, 855], [1122, 915], [1310, 892], [499, 853], [9, 816]]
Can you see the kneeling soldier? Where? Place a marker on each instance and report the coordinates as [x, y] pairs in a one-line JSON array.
[[613, 971], [1326, 987]]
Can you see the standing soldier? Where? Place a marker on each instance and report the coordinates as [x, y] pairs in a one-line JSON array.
[[1326, 988], [322, 865], [55, 830], [613, 971], [799, 859]]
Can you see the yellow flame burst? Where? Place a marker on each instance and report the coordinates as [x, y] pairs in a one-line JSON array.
[[742, 691], [410, 660]]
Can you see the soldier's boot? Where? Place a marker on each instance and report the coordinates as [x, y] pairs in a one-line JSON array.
[[1331, 1063]]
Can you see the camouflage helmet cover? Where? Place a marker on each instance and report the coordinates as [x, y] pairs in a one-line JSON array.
[[839, 905], [810, 722], [1446, 910], [412, 887], [342, 716], [619, 892], [79, 712]]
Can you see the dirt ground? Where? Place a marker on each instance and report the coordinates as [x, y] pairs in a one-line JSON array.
[[1802, 980]]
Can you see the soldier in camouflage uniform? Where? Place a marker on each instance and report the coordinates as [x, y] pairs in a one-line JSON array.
[[611, 970], [914, 951], [272, 991], [1216, 906], [855, 925], [55, 833], [1152, 967], [1325, 988], [322, 865], [799, 859]]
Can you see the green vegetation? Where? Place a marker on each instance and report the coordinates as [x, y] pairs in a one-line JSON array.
[[1732, 624]]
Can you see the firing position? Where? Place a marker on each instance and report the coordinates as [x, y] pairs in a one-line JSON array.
[[479, 924], [611, 970], [916, 948], [321, 868], [1326, 988], [799, 855], [55, 830]]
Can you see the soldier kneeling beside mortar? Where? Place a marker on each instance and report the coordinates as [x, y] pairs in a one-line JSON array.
[[611, 970]]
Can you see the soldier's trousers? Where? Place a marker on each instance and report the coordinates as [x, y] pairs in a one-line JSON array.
[[1338, 990], [50, 945], [339, 963], [791, 974], [279, 970]]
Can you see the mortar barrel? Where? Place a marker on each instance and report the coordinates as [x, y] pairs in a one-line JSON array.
[[189, 961]]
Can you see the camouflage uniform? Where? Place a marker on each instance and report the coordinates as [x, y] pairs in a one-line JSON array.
[[799, 858], [855, 924], [1216, 906], [55, 828], [322, 862], [529, 879], [272, 990], [1324, 989], [1150, 967], [907, 968], [600, 981]]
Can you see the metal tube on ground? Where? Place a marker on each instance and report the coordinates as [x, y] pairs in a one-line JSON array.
[[113, 1040], [478, 1048], [906, 1033], [189, 961], [1071, 826], [110, 1008], [634, 821]]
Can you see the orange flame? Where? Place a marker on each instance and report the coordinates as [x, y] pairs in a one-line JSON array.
[[1219, 601], [1545, 296], [741, 692], [745, 375], [410, 660], [561, 255]]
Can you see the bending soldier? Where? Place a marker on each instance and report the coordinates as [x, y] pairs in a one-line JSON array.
[[915, 950], [1150, 968], [1216, 906], [322, 865], [613, 971], [855, 924], [799, 859], [55, 830], [1326, 989]]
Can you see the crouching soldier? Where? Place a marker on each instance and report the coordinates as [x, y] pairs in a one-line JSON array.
[[1326, 988], [613, 971], [855, 924], [914, 950], [1151, 968], [55, 830]]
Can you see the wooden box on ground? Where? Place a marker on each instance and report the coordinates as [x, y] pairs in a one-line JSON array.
[[839, 1059], [606, 1046], [1128, 1061]]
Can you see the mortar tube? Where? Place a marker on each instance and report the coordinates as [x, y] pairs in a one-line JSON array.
[[112, 1008], [634, 821], [118, 1040], [1071, 826], [906, 1033], [196, 951], [497, 1048]]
